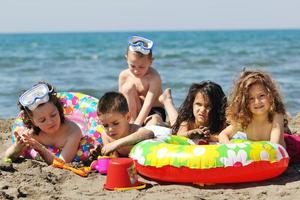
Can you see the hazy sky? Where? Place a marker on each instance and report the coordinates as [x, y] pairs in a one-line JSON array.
[[123, 15]]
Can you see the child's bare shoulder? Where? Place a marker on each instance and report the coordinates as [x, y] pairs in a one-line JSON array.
[[153, 75], [72, 128], [186, 124], [124, 77], [124, 73], [278, 117], [154, 72]]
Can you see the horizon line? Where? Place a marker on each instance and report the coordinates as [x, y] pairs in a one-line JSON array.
[[154, 30]]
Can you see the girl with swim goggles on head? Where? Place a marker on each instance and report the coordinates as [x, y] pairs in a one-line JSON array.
[[43, 116]]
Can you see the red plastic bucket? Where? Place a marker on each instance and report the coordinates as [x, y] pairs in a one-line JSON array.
[[122, 175]]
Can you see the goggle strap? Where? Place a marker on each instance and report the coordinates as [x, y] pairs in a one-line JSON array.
[[51, 90], [139, 49]]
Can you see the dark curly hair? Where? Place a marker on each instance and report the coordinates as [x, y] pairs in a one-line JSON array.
[[27, 114], [217, 101], [238, 111]]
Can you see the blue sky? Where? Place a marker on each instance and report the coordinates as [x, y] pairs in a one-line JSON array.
[[148, 15]]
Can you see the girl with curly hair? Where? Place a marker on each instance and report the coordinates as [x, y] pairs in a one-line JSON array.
[[201, 117], [256, 110]]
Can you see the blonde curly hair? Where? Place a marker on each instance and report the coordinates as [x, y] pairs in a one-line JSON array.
[[238, 112]]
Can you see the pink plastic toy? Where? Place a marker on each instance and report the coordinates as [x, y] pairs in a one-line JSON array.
[[101, 164]]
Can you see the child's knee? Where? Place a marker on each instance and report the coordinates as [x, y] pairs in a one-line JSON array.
[[129, 89]]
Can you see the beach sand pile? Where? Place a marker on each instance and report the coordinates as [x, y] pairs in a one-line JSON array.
[[30, 179]]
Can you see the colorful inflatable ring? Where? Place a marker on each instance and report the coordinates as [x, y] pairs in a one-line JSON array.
[[81, 109], [174, 159]]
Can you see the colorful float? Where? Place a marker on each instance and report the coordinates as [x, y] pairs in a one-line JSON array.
[[176, 159], [81, 109]]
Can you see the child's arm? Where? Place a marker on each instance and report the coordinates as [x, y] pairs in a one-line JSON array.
[[227, 134], [183, 128], [15, 150], [68, 152], [152, 95], [198, 133], [276, 135], [70, 148], [96, 151], [140, 135], [41, 149]]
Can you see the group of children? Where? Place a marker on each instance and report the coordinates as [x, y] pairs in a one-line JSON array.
[[255, 111]]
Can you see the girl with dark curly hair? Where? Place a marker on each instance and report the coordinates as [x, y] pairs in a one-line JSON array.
[[201, 116]]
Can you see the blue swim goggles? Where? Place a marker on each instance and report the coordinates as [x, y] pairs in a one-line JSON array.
[[140, 44], [35, 96]]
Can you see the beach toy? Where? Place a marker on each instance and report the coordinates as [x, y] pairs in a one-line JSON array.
[[122, 175], [101, 164], [176, 159], [7, 160], [81, 109], [58, 163]]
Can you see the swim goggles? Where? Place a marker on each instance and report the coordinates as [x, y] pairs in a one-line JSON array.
[[35, 96], [140, 44]]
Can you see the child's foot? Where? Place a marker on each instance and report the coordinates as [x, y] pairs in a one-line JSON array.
[[165, 96]]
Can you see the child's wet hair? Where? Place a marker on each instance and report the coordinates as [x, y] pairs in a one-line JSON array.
[[112, 102], [217, 100], [238, 111], [27, 113]]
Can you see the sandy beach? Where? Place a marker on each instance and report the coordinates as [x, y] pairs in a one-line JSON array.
[[30, 179]]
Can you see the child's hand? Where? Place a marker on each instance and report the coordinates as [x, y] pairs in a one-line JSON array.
[[25, 139], [20, 136], [19, 139], [109, 148], [94, 153], [199, 133], [31, 142]]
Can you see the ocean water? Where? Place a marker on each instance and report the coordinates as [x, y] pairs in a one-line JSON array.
[[90, 62]]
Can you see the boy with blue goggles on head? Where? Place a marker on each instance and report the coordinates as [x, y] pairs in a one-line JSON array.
[[141, 84]]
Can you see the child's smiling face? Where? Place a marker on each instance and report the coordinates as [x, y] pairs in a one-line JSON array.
[[115, 124], [259, 100]]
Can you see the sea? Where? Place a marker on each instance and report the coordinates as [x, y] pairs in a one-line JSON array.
[[91, 62]]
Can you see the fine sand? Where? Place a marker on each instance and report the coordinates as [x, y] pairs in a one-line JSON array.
[[30, 179]]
